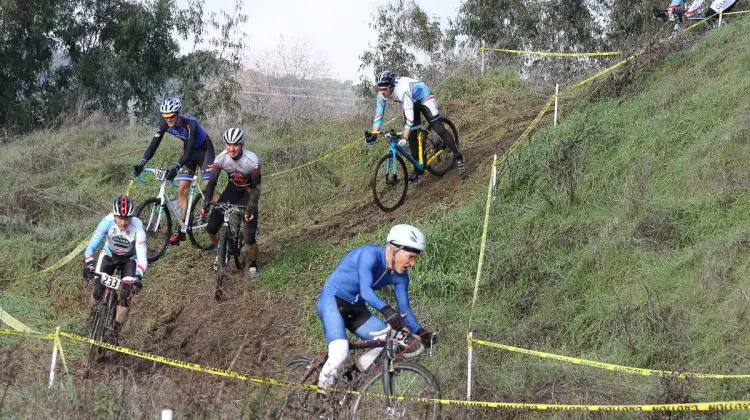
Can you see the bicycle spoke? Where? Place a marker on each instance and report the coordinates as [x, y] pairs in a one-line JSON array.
[[389, 182], [411, 381]]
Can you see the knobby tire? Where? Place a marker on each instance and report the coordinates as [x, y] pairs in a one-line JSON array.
[[395, 184], [446, 161], [155, 242], [198, 236], [408, 380], [221, 266]]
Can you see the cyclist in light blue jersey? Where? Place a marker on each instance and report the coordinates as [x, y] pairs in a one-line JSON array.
[[416, 99], [351, 288], [124, 247]]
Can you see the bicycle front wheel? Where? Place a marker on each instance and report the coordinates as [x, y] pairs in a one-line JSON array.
[[389, 182], [220, 263], [96, 332], [157, 222], [407, 380], [238, 248], [438, 157], [196, 228]]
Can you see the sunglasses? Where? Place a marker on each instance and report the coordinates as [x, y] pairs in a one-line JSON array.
[[168, 116]]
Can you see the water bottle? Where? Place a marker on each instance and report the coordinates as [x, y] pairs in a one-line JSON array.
[[367, 358], [175, 204]]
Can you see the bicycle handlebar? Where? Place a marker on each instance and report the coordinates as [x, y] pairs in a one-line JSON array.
[[159, 174]]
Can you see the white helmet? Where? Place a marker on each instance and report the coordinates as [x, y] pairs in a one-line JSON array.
[[234, 136], [171, 106], [407, 236]]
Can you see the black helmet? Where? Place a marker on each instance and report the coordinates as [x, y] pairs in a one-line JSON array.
[[386, 78]]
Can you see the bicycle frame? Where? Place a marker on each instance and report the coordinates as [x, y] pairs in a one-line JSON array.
[[229, 210], [160, 175]]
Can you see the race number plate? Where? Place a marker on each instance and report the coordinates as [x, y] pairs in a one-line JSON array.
[[111, 282]]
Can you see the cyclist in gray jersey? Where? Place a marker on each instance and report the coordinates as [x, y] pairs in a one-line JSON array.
[[243, 168]]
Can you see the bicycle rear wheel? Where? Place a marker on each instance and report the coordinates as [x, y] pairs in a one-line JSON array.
[[157, 222], [407, 380], [389, 182], [444, 159], [196, 228]]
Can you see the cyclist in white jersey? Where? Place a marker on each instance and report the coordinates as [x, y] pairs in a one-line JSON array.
[[125, 247], [416, 98]]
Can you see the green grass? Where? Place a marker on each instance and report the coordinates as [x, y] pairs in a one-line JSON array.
[[621, 235]]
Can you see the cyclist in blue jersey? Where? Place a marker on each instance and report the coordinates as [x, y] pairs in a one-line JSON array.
[[351, 287], [416, 99], [197, 150], [124, 247]]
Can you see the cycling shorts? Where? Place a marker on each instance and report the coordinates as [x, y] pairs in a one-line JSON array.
[[338, 315], [108, 265], [202, 157]]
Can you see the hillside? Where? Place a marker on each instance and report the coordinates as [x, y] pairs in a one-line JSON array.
[[621, 235]]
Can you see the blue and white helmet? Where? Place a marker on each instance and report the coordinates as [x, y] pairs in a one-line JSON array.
[[386, 78], [171, 106]]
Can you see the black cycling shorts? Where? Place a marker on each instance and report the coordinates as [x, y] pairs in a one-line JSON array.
[[202, 157], [354, 315], [107, 265]]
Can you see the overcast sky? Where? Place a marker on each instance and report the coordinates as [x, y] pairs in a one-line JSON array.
[[337, 29]]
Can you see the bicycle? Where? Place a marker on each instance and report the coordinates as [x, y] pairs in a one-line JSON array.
[[102, 324], [158, 223], [390, 178], [378, 385], [231, 242]]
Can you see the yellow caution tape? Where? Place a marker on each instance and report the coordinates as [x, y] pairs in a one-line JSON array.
[[130, 187], [705, 406], [61, 262], [17, 325], [28, 334], [554, 54], [483, 244], [609, 366], [59, 346], [326, 156]]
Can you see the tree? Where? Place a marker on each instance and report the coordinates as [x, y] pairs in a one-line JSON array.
[[406, 36], [111, 54], [27, 45]]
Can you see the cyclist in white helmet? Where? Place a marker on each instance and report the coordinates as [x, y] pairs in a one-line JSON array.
[[243, 168], [197, 151], [343, 302]]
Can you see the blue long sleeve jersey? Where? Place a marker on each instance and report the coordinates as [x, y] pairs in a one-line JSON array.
[[363, 271], [130, 242]]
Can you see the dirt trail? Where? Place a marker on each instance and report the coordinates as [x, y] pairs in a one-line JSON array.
[[253, 330]]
